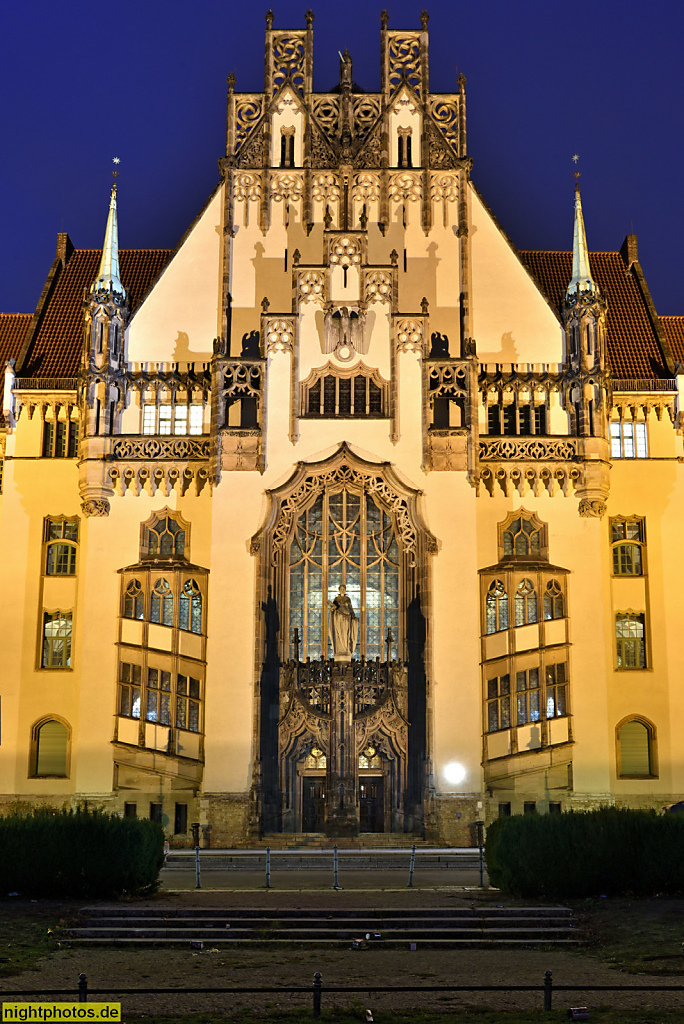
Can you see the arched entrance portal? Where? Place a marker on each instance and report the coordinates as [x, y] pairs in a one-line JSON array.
[[342, 747]]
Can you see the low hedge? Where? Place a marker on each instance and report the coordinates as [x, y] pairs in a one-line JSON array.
[[608, 852], [79, 853]]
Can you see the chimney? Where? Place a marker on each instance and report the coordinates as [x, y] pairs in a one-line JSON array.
[[64, 247], [629, 251]]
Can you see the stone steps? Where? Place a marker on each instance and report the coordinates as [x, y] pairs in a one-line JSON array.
[[333, 926]]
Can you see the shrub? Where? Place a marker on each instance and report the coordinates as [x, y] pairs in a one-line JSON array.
[[82, 853], [608, 852]]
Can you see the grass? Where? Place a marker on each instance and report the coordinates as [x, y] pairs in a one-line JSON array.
[[641, 936], [24, 933]]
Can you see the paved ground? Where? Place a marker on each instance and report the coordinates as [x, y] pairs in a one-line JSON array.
[[283, 966]]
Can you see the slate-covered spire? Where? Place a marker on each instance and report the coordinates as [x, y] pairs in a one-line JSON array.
[[581, 272], [108, 279]]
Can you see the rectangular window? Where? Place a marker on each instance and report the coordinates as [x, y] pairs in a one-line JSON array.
[[527, 696], [499, 703], [156, 813], [60, 439], [196, 419], [129, 690], [180, 824], [628, 441], [164, 419], [187, 703], [530, 807], [158, 696], [149, 418], [180, 419], [525, 419], [556, 681], [505, 810], [627, 537], [509, 419], [555, 808], [56, 640], [130, 810], [630, 637]]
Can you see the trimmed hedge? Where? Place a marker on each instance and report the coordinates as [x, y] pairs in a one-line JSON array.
[[607, 852], [81, 853]]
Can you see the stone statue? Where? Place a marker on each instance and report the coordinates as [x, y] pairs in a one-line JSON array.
[[344, 626]]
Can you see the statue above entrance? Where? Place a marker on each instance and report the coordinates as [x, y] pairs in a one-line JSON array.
[[344, 626]]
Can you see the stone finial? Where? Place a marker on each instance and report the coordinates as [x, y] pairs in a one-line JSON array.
[[424, 18], [394, 258], [462, 82], [424, 306], [384, 19], [296, 257], [231, 80], [265, 304], [309, 16], [269, 20]]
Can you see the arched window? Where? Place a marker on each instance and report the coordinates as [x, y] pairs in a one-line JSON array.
[[553, 601], [190, 607], [165, 538], [627, 539], [636, 753], [522, 539], [496, 607], [61, 538], [344, 539], [51, 740], [525, 603], [316, 759], [161, 604], [370, 758], [134, 601]]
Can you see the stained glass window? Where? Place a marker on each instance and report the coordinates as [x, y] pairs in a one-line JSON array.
[[344, 539]]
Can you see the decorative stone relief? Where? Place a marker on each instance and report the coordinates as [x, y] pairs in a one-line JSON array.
[[286, 185], [345, 251], [240, 450], [445, 113], [279, 335], [326, 110], [247, 188], [533, 477], [378, 286], [325, 188], [366, 188], [248, 110], [448, 450], [404, 61], [592, 508], [366, 113], [252, 152], [405, 186], [371, 152], [242, 379], [288, 62], [508, 448], [409, 334], [311, 286], [444, 187], [95, 507], [160, 448]]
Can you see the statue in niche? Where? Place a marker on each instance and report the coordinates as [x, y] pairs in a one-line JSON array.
[[344, 626], [344, 331]]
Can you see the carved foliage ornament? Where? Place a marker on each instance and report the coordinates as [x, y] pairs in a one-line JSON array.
[[592, 508], [95, 507]]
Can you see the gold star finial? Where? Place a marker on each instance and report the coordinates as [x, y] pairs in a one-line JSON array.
[[575, 160], [115, 172]]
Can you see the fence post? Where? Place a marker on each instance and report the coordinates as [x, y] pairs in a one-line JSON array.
[[317, 986], [268, 867], [413, 864], [336, 885], [82, 988], [480, 845], [548, 991]]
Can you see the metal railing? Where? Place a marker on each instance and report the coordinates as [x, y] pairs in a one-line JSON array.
[[637, 384], [315, 991], [45, 383]]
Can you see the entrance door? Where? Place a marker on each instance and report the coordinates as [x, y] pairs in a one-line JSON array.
[[371, 805], [313, 804]]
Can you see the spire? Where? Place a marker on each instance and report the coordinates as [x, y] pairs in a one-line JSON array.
[[108, 279], [582, 280]]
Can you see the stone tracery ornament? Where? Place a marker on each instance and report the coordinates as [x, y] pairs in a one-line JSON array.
[[279, 334], [366, 113], [311, 286], [535, 448], [405, 186], [286, 185], [288, 61], [325, 188], [409, 334], [366, 188], [404, 61], [592, 508], [95, 507], [446, 113], [327, 112], [378, 286], [345, 251], [248, 110]]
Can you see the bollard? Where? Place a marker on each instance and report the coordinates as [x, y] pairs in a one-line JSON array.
[[82, 988], [268, 867], [413, 864], [548, 991], [336, 885], [317, 986]]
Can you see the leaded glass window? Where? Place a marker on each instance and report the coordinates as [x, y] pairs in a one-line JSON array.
[[165, 539], [522, 539], [161, 605], [190, 608], [134, 601], [525, 603], [344, 539], [496, 609]]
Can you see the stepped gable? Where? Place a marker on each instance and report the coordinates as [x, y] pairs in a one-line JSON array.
[[56, 349], [633, 349], [674, 332]]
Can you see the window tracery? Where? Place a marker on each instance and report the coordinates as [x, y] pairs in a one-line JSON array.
[[525, 603], [165, 535], [523, 536], [496, 609], [553, 601]]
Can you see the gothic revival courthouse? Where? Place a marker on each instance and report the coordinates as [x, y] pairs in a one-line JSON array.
[[346, 516]]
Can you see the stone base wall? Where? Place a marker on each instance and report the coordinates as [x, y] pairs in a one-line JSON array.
[[225, 819], [454, 820]]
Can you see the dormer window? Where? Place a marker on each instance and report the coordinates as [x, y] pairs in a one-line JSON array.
[[405, 158], [287, 144]]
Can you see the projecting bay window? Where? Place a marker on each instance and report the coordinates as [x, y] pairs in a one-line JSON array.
[[169, 698], [533, 701], [628, 440], [167, 418]]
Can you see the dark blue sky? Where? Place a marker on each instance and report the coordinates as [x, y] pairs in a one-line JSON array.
[[144, 80]]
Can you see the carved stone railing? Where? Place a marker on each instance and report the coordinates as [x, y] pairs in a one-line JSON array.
[[45, 383], [634, 384], [153, 448], [528, 449]]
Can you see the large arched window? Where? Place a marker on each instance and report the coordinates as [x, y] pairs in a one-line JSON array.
[[496, 607], [50, 749], [161, 604], [134, 601], [525, 603], [344, 538], [190, 607]]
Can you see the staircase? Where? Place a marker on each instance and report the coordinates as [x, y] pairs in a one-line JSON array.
[[334, 926]]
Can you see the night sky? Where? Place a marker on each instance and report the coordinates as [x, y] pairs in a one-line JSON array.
[[144, 80]]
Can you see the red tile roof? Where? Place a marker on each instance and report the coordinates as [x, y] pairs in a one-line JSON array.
[[633, 348], [674, 332], [13, 328], [56, 349]]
